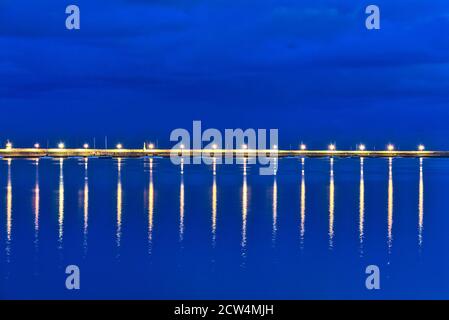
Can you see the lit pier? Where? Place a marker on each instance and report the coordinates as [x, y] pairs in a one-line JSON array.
[[63, 152]]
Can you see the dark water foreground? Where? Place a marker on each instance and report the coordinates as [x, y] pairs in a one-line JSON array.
[[149, 232]]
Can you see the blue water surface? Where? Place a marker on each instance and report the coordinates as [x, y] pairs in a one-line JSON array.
[[142, 229]]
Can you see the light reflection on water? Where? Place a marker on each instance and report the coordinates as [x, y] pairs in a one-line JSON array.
[[244, 213], [119, 204], [421, 204], [36, 202], [361, 206], [85, 205], [214, 210], [61, 203], [303, 202], [150, 209], [275, 210], [331, 204], [181, 209], [8, 213], [360, 191], [390, 204]]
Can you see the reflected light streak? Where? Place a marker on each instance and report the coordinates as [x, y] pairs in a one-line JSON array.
[[421, 203], [8, 213], [36, 205], [361, 204], [275, 211], [244, 215], [214, 166], [119, 165], [150, 211], [61, 202], [244, 166], [181, 210], [214, 211], [331, 204], [303, 202], [390, 203], [119, 203], [86, 204]]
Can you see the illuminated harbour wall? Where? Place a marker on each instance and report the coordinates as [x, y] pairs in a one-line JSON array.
[[120, 152]]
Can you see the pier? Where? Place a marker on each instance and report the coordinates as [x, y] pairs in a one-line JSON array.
[[138, 153]]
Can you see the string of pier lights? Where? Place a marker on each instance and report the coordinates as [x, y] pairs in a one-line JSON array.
[[331, 148], [61, 145], [119, 146], [362, 147], [302, 146]]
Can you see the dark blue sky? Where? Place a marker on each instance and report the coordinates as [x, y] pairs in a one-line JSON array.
[[138, 69]]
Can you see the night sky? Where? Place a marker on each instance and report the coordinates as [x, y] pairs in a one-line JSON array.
[[138, 69]]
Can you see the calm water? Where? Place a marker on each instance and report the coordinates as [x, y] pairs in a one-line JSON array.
[[141, 230]]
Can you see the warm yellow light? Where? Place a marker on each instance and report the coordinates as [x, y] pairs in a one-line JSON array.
[[151, 146], [244, 146], [61, 145], [85, 146], [303, 146], [362, 147], [421, 147], [119, 146], [8, 145], [37, 146], [331, 147], [390, 147]]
